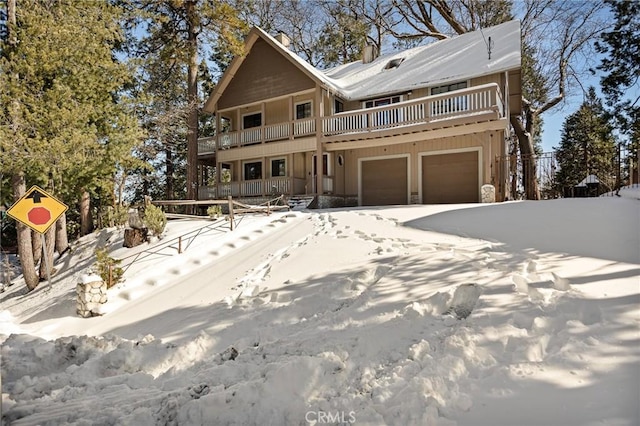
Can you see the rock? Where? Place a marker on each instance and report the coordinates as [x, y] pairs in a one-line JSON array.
[[134, 219], [229, 354], [464, 300], [134, 237], [488, 193]]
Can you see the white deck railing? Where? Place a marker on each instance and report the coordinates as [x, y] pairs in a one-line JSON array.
[[459, 103], [430, 109], [253, 188], [207, 145]]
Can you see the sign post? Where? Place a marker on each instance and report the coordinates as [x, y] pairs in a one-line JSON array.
[[38, 210]]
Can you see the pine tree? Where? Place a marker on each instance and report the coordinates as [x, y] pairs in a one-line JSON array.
[[621, 82], [587, 147], [621, 47], [344, 36], [63, 116], [176, 34]]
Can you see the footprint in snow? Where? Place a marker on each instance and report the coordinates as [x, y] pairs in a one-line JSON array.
[[522, 286], [531, 270], [559, 283]]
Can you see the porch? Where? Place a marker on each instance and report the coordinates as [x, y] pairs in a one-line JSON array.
[[257, 188]]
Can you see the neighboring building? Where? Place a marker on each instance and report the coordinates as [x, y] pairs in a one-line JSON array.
[[420, 126], [588, 187]]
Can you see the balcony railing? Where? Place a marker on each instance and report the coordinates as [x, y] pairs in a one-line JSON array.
[[207, 145], [254, 188], [459, 103], [274, 132], [431, 109]]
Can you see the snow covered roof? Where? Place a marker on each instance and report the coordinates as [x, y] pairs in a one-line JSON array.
[[454, 59], [587, 180]]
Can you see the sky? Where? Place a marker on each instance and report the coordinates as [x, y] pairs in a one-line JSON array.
[[437, 315]]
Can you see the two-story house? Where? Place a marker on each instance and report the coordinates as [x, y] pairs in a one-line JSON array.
[[424, 125]]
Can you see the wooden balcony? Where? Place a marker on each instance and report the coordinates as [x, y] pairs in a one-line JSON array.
[[207, 145], [275, 132], [472, 105], [466, 106]]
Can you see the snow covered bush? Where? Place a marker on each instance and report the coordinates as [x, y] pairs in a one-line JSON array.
[[154, 219], [214, 212]]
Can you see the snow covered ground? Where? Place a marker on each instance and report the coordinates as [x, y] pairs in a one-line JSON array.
[[347, 316]]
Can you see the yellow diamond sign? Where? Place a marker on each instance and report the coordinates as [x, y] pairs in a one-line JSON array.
[[37, 209]]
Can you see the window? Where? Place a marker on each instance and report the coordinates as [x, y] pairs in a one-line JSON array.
[[303, 110], [448, 88], [278, 167], [252, 120], [394, 63], [225, 173], [383, 118], [253, 170], [225, 124], [338, 106], [382, 102], [325, 165], [451, 105]]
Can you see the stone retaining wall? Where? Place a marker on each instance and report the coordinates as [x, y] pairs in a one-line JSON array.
[[92, 294]]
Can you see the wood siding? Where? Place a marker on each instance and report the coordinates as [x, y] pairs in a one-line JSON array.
[[515, 92], [255, 82], [299, 165], [268, 149], [493, 78], [276, 112]]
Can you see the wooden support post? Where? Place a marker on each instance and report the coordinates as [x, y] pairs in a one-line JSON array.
[[110, 276], [180, 244], [45, 258], [231, 212]]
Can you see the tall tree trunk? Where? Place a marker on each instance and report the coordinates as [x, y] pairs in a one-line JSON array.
[[19, 186], [170, 170], [36, 247], [11, 16], [47, 250], [527, 154], [25, 252], [192, 96], [86, 221], [513, 171], [62, 239]]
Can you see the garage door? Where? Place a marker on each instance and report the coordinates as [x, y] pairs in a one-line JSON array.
[[384, 182], [450, 178]]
